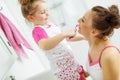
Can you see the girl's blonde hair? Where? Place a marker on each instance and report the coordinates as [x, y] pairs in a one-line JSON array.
[[28, 7]]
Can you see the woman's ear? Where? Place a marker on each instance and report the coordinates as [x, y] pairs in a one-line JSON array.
[[95, 32]]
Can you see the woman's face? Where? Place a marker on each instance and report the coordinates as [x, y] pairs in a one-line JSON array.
[[40, 17], [85, 24]]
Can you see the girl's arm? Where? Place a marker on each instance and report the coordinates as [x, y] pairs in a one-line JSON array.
[[47, 44], [78, 37], [110, 64]]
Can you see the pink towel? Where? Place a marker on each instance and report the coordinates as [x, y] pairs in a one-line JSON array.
[[14, 36]]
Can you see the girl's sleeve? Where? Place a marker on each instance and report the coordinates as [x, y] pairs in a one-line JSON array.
[[39, 33]]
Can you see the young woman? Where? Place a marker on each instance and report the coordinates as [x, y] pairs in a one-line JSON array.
[[96, 26]]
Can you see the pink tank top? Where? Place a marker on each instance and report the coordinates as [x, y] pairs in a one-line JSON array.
[[94, 68]]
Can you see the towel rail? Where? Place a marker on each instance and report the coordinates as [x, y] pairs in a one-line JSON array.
[[1, 8]]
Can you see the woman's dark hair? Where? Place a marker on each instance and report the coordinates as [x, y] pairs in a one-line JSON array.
[[105, 19]]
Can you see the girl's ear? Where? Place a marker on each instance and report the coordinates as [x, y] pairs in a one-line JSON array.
[[30, 18], [95, 32]]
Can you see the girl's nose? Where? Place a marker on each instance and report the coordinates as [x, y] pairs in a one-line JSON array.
[[47, 14]]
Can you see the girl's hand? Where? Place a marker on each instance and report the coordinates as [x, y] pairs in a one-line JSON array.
[[69, 33], [77, 37]]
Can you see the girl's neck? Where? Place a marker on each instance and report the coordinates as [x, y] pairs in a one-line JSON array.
[[44, 25]]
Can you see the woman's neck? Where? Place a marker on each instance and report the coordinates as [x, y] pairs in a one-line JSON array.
[[95, 43]]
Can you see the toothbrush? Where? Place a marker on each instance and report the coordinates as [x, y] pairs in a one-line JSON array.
[[76, 29]]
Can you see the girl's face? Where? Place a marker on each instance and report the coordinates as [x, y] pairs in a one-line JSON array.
[[40, 17], [85, 24]]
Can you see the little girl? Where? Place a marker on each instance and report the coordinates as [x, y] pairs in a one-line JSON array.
[[50, 39]]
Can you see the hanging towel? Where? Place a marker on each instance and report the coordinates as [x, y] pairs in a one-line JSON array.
[[14, 36]]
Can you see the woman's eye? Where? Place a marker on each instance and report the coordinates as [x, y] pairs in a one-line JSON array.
[[82, 20]]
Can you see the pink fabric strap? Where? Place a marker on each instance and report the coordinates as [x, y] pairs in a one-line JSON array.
[[104, 49]]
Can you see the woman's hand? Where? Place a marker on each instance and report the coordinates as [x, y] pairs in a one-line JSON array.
[[85, 75]]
